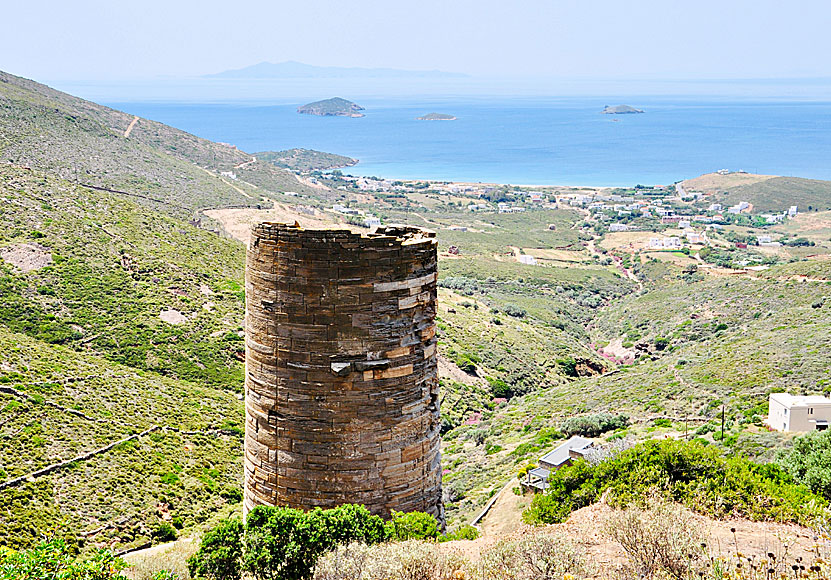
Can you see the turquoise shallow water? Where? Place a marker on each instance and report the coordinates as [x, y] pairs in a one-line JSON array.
[[533, 141]]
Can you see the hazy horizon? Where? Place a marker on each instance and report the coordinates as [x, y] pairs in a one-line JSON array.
[[535, 47]]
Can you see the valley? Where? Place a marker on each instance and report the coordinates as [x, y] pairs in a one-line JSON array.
[[121, 321]]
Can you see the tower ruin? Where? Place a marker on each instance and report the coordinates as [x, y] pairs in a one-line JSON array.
[[341, 384]]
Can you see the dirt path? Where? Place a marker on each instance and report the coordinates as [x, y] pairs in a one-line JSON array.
[[245, 164], [130, 126], [223, 180]]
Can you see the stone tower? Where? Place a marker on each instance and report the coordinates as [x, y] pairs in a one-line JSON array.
[[341, 385]]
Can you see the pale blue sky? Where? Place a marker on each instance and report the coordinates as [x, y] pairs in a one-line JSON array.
[[115, 39]]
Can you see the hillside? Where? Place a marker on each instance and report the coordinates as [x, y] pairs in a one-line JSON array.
[[779, 193], [155, 164], [121, 322], [305, 159], [114, 269]]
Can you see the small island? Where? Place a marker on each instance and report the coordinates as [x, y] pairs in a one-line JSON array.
[[335, 107], [620, 110], [436, 117]]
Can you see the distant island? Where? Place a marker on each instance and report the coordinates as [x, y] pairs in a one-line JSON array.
[[335, 107], [305, 159], [620, 110], [436, 117]]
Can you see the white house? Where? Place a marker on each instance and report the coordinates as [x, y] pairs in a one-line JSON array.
[[672, 243], [371, 222], [694, 237], [526, 259], [618, 227], [798, 413], [792, 211]]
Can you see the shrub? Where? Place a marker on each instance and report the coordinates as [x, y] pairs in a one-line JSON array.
[[284, 543], [220, 553], [697, 476], [349, 523], [534, 557], [412, 526], [807, 462], [280, 543], [514, 311], [662, 538], [593, 425], [54, 560], [464, 532], [411, 560], [164, 532]]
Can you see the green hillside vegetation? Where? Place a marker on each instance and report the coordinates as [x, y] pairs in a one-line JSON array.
[[115, 268], [779, 193], [305, 159], [159, 166], [57, 404]]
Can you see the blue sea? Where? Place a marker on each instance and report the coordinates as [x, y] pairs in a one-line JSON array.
[[532, 141]]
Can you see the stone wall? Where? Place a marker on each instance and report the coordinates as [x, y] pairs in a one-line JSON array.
[[341, 375]]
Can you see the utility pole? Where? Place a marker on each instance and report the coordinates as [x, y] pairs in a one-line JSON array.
[[722, 424]]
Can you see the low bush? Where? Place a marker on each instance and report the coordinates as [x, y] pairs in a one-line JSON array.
[[534, 556], [660, 539], [695, 475], [411, 560], [284, 543], [593, 425], [412, 526], [809, 460], [55, 560], [220, 553]]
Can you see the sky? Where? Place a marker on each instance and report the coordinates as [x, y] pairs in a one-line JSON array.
[[681, 39]]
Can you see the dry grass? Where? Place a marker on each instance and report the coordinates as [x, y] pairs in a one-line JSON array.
[[171, 557], [712, 182]]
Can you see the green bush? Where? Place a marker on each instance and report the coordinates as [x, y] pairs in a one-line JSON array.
[[695, 475], [220, 553], [809, 460], [54, 560], [281, 543], [164, 532], [465, 532], [593, 425], [412, 526]]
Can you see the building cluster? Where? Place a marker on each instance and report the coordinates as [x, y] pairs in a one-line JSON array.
[[369, 220]]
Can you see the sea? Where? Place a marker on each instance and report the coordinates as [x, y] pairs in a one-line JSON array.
[[532, 141]]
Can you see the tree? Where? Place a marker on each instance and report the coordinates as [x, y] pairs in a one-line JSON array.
[[220, 553], [280, 544], [412, 526], [807, 462]]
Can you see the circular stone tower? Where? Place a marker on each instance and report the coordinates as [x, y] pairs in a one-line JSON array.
[[341, 385]]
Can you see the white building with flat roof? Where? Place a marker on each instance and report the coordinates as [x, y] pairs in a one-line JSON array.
[[788, 412]]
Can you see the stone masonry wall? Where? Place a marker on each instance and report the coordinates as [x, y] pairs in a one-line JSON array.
[[341, 376]]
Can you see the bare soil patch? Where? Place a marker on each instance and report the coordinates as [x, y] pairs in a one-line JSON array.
[[173, 317], [237, 222], [585, 528], [26, 257]]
